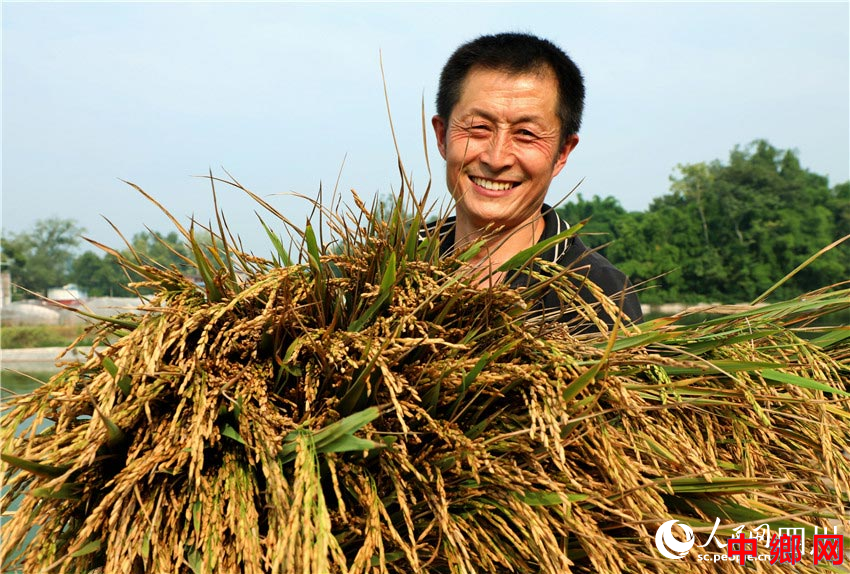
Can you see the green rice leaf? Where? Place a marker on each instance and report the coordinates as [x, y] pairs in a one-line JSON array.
[[387, 283], [326, 439], [832, 338], [722, 366], [344, 426], [388, 557], [388, 279], [637, 341], [523, 258], [124, 384], [471, 251], [196, 560], [313, 252], [282, 256], [197, 509], [468, 379], [411, 242], [67, 491], [349, 442], [207, 275], [115, 436], [92, 546], [230, 432], [146, 545], [110, 366], [45, 470], [798, 381], [354, 394], [659, 450], [718, 484], [542, 498], [716, 342], [736, 513]]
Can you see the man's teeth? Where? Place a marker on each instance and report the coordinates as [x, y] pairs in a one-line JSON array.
[[491, 185]]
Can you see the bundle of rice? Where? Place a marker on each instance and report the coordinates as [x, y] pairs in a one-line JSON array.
[[365, 409]]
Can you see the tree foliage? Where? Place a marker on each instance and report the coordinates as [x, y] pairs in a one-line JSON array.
[[42, 257], [166, 249], [46, 257], [727, 232], [99, 275]]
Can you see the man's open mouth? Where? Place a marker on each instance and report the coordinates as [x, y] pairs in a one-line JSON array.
[[493, 185]]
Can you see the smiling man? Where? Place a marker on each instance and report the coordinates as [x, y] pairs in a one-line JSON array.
[[508, 113]]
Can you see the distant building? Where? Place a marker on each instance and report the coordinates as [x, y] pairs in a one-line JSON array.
[[5, 289], [68, 294]]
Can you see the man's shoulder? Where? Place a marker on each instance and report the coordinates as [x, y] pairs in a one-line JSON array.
[[575, 254], [594, 265]]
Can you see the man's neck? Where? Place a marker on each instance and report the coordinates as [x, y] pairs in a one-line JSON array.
[[500, 244]]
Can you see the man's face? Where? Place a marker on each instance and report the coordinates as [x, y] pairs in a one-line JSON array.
[[501, 146]]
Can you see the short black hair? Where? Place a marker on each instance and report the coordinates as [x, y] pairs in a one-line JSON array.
[[515, 53]]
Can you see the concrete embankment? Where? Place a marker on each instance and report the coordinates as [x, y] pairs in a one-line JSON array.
[[669, 309], [42, 359]]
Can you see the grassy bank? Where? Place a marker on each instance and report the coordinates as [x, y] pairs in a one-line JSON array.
[[26, 336]]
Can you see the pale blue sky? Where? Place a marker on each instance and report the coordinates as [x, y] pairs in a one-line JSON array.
[[279, 93]]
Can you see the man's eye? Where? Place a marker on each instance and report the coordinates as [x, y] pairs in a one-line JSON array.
[[526, 134]]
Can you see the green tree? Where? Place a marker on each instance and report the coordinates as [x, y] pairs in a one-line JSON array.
[[42, 257], [839, 205], [728, 231], [99, 275], [165, 249], [607, 219], [763, 215]]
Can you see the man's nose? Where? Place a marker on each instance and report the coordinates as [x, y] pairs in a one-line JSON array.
[[499, 153]]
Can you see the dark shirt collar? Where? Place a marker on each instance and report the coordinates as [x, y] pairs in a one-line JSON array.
[[553, 225]]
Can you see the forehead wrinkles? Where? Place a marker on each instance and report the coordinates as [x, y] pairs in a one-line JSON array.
[[508, 99]]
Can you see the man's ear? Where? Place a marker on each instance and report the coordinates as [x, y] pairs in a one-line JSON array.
[[440, 131], [564, 153]]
